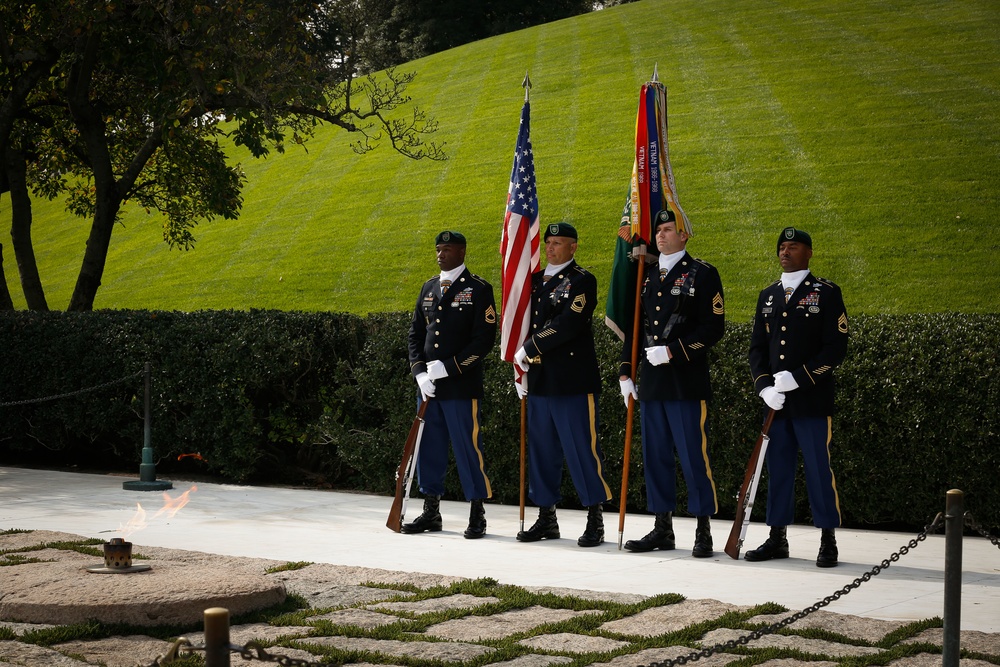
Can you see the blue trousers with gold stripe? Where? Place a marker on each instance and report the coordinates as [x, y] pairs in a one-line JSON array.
[[811, 436], [455, 421], [669, 427], [558, 427]]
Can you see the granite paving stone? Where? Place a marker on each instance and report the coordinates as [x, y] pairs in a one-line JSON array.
[[241, 634], [362, 618], [934, 660], [418, 650], [605, 596], [970, 640], [30, 655], [658, 621], [505, 624], [533, 660], [447, 603], [816, 646], [651, 655], [866, 629], [21, 628], [568, 642], [117, 651]]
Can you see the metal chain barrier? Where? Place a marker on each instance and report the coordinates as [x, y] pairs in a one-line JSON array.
[[251, 651], [757, 634], [254, 651], [971, 522], [73, 393]]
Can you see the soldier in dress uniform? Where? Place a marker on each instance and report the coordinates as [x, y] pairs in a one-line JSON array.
[[799, 336], [563, 385], [453, 329], [684, 315]]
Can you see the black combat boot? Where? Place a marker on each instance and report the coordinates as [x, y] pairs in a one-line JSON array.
[[661, 537], [827, 549], [594, 535], [545, 528], [775, 546], [429, 521], [477, 521], [702, 539]]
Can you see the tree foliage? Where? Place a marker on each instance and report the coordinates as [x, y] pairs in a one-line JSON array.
[[106, 102]]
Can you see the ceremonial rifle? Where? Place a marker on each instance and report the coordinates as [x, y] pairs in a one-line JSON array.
[[404, 474], [744, 499]]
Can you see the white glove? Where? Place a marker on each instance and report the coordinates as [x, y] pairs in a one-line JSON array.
[[426, 385], [657, 355], [628, 389], [521, 389], [437, 370], [521, 359], [774, 398], [784, 382]]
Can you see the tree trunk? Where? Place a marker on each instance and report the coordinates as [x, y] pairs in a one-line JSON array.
[[20, 231], [5, 300]]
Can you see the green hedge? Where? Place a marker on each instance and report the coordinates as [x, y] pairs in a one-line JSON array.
[[324, 399]]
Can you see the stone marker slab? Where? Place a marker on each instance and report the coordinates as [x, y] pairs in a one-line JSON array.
[[815, 646], [970, 640], [658, 621], [866, 629], [418, 650], [568, 642], [498, 626], [117, 651], [447, 603]]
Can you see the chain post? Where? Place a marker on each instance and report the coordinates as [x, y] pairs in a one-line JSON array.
[[953, 526], [147, 469], [217, 637]]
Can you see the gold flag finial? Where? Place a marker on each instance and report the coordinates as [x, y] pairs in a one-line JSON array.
[[656, 76]]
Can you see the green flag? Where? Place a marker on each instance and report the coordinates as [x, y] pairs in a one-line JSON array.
[[620, 305]]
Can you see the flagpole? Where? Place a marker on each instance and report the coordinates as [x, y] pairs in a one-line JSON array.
[[526, 84], [636, 333], [631, 400]]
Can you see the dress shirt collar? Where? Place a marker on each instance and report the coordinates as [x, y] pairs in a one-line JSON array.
[[668, 262]]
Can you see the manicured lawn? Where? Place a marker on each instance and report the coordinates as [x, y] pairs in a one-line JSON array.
[[873, 125]]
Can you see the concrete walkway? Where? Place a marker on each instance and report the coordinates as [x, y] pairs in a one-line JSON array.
[[349, 529]]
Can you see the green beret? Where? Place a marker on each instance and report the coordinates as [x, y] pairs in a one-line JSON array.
[[666, 215], [792, 234], [561, 229], [455, 238]]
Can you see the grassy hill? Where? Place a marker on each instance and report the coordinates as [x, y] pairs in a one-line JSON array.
[[875, 125]]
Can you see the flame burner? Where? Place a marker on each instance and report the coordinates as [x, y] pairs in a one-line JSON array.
[[118, 559]]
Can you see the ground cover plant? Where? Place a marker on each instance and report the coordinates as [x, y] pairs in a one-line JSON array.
[[872, 125]]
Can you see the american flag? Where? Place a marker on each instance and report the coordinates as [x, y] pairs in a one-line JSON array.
[[519, 244]]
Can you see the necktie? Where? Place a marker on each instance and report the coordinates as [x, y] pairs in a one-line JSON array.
[[663, 274], [445, 284], [788, 294], [546, 279]]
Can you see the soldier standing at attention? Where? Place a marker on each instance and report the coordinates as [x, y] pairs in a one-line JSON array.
[[563, 385], [799, 336], [684, 316], [453, 329]]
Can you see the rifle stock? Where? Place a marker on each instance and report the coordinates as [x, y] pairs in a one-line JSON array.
[[395, 520], [744, 499]]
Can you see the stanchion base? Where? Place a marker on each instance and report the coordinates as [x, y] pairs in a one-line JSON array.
[[155, 485]]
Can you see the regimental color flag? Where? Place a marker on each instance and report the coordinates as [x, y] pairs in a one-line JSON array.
[[652, 190], [519, 244]]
